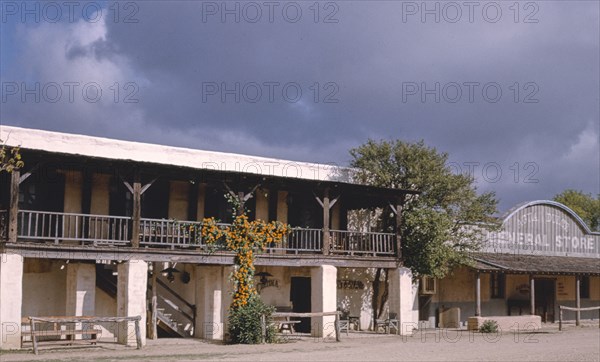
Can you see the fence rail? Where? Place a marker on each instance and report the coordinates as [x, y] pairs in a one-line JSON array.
[[354, 242], [563, 307], [59, 227]]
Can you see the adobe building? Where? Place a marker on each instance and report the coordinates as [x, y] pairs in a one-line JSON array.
[[89, 227], [543, 256], [92, 227]]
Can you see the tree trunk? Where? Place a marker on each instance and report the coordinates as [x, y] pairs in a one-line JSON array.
[[375, 296], [384, 296]]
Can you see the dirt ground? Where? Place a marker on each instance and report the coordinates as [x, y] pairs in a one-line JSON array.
[[572, 344]]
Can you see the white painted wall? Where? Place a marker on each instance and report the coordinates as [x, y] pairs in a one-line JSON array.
[[132, 284], [357, 301], [44, 287], [106, 306], [323, 299], [11, 287], [403, 299]]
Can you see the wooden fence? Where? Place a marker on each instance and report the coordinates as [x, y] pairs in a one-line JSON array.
[[562, 307]]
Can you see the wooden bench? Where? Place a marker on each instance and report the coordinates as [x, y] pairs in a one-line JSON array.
[[57, 330]]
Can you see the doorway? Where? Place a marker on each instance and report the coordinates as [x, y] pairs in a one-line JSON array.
[[300, 297], [545, 291]]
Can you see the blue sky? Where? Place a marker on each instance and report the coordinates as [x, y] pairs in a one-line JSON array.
[[511, 92]]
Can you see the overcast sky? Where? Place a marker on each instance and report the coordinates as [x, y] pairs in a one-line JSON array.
[[511, 92]]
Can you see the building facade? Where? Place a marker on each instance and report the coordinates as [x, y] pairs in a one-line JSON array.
[[92, 227], [544, 256]]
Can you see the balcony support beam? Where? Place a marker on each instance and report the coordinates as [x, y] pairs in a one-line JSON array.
[[241, 196], [326, 210], [137, 211], [397, 209], [13, 208]]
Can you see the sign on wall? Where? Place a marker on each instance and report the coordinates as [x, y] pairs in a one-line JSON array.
[[546, 228], [350, 284]]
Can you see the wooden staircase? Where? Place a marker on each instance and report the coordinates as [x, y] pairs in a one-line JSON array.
[[174, 315]]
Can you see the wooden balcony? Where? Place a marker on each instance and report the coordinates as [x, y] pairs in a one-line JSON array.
[[71, 229]]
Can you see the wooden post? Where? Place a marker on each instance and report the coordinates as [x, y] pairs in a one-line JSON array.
[[263, 326], [154, 301], [33, 335], [138, 334], [337, 327], [532, 294], [137, 212], [326, 235], [13, 211], [578, 300], [560, 317], [478, 295], [399, 206]]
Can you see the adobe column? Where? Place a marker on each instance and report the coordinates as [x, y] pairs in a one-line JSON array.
[[323, 287], [81, 290], [132, 285], [210, 307], [11, 299], [403, 299]]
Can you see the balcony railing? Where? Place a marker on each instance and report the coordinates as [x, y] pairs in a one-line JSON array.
[[354, 242], [174, 234], [56, 227], [300, 240], [59, 227]]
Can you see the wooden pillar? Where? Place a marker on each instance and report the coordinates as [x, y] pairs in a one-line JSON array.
[[326, 235], [137, 212], [478, 295], [578, 300], [13, 208], [532, 294], [398, 246]]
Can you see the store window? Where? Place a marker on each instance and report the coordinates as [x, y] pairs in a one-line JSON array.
[[497, 282]]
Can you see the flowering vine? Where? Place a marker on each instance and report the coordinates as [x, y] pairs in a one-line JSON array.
[[245, 238]]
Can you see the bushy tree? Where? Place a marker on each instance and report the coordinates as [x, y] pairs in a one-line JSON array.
[[584, 205], [445, 222], [10, 158]]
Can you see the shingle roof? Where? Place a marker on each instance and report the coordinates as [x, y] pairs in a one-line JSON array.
[[520, 264]]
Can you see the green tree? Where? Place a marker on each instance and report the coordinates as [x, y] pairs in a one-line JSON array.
[[445, 222], [10, 158], [584, 205]]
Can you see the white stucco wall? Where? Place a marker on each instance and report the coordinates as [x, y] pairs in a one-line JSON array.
[[106, 306], [44, 287], [357, 301], [403, 299], [323, 299], [132, 284], [11, 286]]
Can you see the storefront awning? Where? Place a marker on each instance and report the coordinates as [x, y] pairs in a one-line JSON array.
[[536, 264]]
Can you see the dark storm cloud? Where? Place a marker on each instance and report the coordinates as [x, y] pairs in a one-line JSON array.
[[180, 53]]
